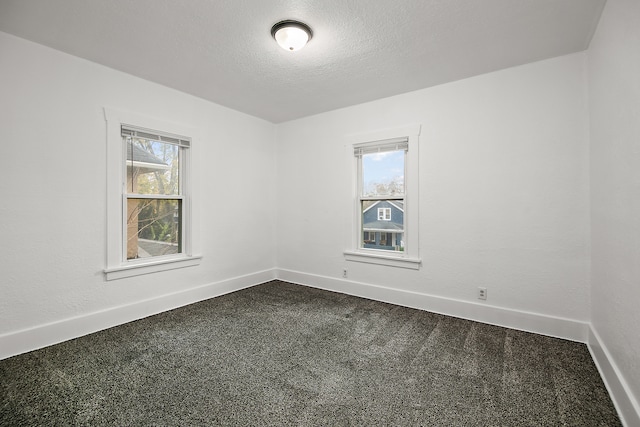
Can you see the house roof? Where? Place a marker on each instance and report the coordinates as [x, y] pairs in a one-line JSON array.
[[140, 155], [382, 225], [144, 161], [396, 203]]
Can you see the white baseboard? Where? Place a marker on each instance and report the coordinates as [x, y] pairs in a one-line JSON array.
[[531, 322], [40, 336], [627, 406]]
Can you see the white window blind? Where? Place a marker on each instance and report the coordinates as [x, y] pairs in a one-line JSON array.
[[387, 145], [135, 132]]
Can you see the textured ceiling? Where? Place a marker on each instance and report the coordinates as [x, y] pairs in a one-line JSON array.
[[361, 50]]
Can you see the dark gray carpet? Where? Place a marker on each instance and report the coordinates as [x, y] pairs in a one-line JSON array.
[[282, 354]]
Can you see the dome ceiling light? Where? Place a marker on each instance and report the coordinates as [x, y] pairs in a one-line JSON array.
[[291, 35]]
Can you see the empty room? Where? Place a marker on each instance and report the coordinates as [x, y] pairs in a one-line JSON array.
[[420, 212]]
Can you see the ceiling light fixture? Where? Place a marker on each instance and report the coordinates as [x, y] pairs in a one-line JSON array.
[[291, 35]]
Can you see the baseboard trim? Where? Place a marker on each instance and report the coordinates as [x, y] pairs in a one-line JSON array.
[[25, 340], [526, 321], [627, 406]]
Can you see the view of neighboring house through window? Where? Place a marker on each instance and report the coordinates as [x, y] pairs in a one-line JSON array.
[[381, 188], [154, 193]]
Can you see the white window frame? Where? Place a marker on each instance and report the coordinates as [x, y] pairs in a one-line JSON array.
[[118, 266], [410, 257], [386, 214]]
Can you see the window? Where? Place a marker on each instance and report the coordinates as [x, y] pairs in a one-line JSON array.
[[385, 221], [154, 193], [384, 214], [369, 237], [149, 196], [381, 172]]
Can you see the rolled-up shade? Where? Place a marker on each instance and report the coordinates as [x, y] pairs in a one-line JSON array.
[[386, 145], [134, 132]]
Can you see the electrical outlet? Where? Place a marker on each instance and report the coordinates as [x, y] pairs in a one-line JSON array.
[[344, 273], [482, 293]]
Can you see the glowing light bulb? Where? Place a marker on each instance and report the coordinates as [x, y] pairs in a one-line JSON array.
[[291, 35]]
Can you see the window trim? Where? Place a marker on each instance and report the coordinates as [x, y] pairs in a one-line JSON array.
[[384, 212], [117, 266], [410, 257]]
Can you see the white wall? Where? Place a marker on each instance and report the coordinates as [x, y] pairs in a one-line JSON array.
[[504, 197], [52, 225], [614, 99]]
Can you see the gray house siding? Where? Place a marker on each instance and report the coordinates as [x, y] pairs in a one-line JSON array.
[[383, 231]]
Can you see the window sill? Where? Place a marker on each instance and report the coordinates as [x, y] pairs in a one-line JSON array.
[[155, 266], [382, 259]]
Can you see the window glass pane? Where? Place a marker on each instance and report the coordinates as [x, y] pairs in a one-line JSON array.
[[152, 167], [154, 227], [383, 224], [383, 173]]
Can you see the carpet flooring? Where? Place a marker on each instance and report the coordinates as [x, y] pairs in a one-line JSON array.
[[283, 354]]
